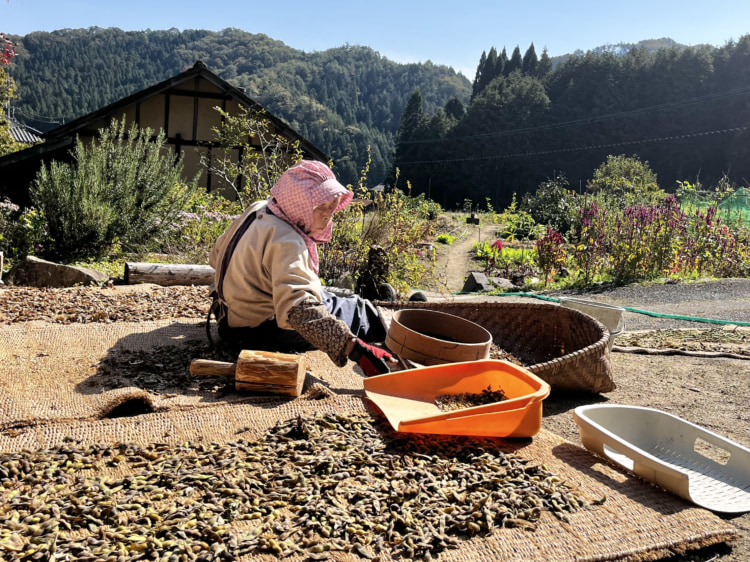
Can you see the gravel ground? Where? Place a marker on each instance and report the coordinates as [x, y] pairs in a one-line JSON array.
[[727, 299]]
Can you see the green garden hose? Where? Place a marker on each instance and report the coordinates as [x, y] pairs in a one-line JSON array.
[[629, 309]]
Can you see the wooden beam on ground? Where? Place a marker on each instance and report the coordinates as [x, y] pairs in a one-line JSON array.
[[168, 274]]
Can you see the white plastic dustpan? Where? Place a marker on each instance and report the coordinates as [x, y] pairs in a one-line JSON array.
[[681, 457]]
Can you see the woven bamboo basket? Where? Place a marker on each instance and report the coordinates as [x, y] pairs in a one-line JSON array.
[[562, 346]]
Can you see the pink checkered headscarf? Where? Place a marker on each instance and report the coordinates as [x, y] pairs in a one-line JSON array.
[[304, 186]]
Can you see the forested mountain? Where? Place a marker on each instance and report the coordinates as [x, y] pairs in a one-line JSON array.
[[684, 110], [620, 49], [344, 99], [526, 116]]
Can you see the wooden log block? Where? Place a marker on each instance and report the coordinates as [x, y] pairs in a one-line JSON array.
[[259, 371], [168, 274]]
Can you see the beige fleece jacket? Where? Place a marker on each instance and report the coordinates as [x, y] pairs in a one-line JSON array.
[[270, 271]]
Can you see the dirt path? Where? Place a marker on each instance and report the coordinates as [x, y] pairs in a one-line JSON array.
[[455, 261]]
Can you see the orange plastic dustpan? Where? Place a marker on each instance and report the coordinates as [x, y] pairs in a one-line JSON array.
[[407, 399]]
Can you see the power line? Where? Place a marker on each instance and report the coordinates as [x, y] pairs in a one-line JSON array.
[[29, 114], [587, 120], [573, 149]]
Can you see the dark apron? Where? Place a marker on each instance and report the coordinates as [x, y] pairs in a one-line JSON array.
[[359, 314]]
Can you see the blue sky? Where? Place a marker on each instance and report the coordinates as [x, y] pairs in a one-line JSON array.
[[452, 33]]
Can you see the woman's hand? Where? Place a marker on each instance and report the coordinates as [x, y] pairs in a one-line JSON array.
[[372, 360]]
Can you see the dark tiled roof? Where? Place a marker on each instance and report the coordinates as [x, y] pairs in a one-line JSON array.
[[24, 135]]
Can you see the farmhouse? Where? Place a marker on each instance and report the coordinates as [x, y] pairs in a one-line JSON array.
[[182, 106]]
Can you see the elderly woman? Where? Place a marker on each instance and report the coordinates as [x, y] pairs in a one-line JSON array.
[[267, 276]]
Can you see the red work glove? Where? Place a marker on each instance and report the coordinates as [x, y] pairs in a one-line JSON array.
[[371, 359]]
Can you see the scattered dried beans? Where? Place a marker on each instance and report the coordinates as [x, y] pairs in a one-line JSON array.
[[450, 402], [315, 486], [94, 304]]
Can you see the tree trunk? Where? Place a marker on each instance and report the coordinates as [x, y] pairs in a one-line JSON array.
[[168, 274]]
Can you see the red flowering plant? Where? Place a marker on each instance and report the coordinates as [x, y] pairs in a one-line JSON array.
[[7, 49], [711, 247], [490, 253], [551, 254], [588, 239], [646, 241]]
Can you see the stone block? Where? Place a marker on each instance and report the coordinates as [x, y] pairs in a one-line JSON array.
[[503, 283], [35, 272], [476, 282]]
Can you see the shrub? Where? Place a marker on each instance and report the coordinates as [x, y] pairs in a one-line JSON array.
[[397, 224], [518, 224], [7, 93], [8, 212], [263, 155], [739, 264], [446, 239], [122, 187], [196, 228], [623, 181], [21, 232], [553, 204], [645, 241], [710, 246], [629, 251]]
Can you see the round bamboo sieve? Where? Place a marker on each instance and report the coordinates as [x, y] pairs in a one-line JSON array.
[[432, 338]]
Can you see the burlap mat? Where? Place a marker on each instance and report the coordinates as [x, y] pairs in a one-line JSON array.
[[47, 399], [56, 372]]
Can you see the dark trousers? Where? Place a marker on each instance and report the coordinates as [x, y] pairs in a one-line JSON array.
[[359, 314]]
